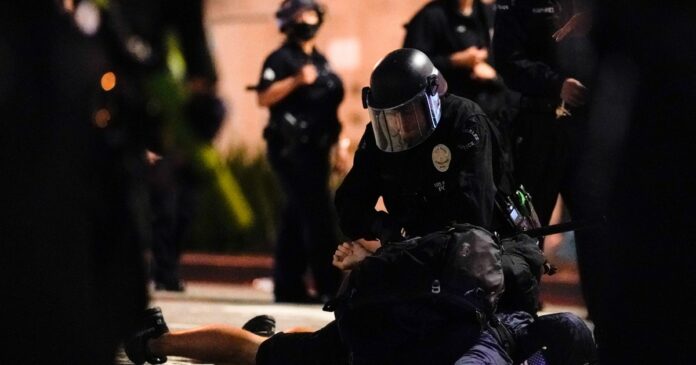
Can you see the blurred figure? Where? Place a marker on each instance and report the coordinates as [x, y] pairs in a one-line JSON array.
[[552, 75], [455, 34], [303, 95], [542, 51], [173, 114], [642, 128], [73, 281]]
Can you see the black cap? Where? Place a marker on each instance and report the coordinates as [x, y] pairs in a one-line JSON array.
[[288, 9]]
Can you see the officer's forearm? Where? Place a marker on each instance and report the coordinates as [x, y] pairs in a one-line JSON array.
[[277, 91], [356, 223]]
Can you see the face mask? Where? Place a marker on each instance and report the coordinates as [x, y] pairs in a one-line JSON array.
[[302, 31]]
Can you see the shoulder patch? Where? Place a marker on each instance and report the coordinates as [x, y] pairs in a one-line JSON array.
[[545, 10], [269, 74], [469, 140]]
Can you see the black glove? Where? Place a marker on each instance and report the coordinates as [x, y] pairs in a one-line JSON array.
[[386, 229]]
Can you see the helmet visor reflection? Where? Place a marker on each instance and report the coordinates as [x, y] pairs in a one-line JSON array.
[[407, 125]]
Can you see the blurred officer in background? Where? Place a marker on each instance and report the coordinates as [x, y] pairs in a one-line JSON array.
[[303, 95], [642, 128], [167, 95], [542, 51], [455, 35], [552, 75], [73, 281]]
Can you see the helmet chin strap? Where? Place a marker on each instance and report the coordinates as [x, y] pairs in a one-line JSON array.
[[432, 86], [365, 96]]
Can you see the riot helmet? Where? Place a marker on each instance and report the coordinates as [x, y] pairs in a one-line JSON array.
[[403, 99], [294, 29]]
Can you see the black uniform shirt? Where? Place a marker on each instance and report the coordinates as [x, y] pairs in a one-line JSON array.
[[152, 22], [315, 105], [446, 179], [525, 51], [147, 19], [439, 29]]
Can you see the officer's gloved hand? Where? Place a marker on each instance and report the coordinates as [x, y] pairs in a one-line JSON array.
[[386, 229]]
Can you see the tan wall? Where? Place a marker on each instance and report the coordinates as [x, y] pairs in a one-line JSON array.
[[356, 34]]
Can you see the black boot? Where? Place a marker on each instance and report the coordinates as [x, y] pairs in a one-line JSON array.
[[262, 325], [152, 326]]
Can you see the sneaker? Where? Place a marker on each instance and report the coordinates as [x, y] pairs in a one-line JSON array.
[[262, 325], [152, 326]]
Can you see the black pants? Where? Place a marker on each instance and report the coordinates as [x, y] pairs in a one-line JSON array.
[[557, 156], [541, 148], [172, 199], [323, 347], [307, 236], [564, 337]]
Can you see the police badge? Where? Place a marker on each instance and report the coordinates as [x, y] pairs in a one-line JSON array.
[[442, 156]]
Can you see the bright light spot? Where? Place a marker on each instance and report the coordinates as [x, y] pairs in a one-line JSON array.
[[108, 81], [87, 17], [102, 118]]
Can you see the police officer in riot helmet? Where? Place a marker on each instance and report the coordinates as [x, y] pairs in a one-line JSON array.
[[426, 152], [431, 157], [303, 95], [404, 101]]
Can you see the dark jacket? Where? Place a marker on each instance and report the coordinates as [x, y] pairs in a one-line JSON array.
[[308, 116], [526, 54], [419, 197], [152, 21], [439, 29]]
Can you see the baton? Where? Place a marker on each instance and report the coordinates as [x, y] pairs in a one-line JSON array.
[[562, 227]]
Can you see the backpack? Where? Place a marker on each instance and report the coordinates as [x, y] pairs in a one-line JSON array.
[[421, 301]]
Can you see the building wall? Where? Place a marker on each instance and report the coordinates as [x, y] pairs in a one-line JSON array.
[[355, 35]]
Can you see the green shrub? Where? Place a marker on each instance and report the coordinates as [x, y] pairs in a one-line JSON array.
[[213, 228]]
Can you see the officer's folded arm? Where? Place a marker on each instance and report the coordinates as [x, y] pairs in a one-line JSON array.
[[280, 89]]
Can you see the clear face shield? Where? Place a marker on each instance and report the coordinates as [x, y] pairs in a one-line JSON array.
[[406, 125]]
